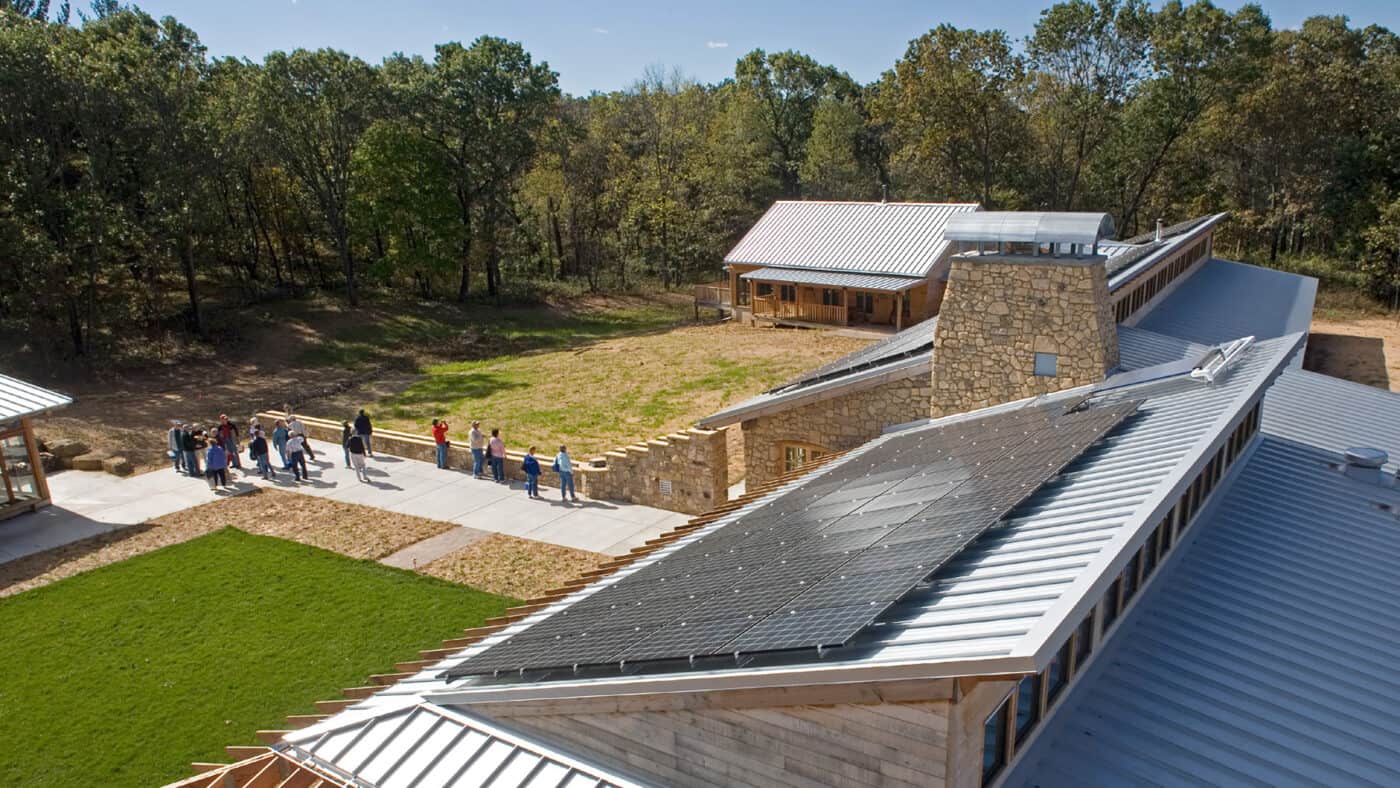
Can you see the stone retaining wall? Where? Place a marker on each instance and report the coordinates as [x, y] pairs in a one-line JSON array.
[[841, 422], [694, 462]]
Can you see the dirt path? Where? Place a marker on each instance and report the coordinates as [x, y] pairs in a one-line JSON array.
[[1362, 349]]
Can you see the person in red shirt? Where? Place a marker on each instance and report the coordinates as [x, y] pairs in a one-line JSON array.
[[440, 428]]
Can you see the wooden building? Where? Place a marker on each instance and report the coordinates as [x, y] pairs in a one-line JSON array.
[[22, 484], [875, 264]]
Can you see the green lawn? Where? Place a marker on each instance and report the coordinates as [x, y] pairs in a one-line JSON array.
[[125, 674]]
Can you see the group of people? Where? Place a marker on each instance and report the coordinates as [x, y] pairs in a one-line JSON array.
[[492, 451], [210, 454]]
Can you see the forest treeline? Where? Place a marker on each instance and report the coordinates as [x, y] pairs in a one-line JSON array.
[[141, 178]]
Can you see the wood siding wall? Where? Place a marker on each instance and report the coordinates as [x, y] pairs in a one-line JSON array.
[[891, 744]]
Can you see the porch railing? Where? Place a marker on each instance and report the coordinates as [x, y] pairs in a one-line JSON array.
[[770, 306]]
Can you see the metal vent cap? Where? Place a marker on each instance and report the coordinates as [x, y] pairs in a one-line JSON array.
[[1366, 457]]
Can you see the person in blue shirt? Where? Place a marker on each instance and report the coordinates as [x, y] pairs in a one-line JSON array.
[[565, 468], [216, 465], [280, 433], [531, 466]]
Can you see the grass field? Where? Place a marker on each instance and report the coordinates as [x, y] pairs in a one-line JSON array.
[[125, 674], [604, 394]]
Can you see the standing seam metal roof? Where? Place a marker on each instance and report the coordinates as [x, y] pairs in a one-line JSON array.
[[858, 237], [19, 399], [1264, 655], [1224, 300], [892, 284], [422, 744]]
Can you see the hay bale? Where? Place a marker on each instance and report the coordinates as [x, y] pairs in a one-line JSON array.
[[92, 461]]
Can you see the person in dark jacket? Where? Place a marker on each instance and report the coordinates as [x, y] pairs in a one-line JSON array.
[[259, 450], [365, 430], [345, 433], [227, 435], [187, 445], [355, 448], [531, 467], [177, 452]]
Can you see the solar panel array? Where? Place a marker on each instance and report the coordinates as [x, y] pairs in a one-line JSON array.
[[819, 564]]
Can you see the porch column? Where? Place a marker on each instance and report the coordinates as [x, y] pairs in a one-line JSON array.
[[899, 310]]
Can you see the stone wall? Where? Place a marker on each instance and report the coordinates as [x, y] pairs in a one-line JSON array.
[[683, 472], [841, 422], [998, 313], [694, 462]]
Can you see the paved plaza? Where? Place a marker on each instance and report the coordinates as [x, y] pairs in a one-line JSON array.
[[89, 503]]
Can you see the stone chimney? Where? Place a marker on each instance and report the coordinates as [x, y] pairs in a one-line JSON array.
[[1023, 319]]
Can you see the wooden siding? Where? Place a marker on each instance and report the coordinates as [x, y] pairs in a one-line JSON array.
[[890, 744]]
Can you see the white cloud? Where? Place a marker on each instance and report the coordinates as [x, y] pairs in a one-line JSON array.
[[717, 44], [602, 31]]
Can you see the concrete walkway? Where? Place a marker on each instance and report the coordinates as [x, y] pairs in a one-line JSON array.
[[88, 503]]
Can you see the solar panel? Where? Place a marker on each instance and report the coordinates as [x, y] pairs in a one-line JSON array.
[[807, 572]]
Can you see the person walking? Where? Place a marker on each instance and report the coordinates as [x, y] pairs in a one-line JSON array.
[[477, 440], [227, 433], [216, 466], [355, 449], [345, 433], [187, 445], [258, 448], [564, 466], [498, 456], [365, 430], [440, 428], [280, 433], [295, 427], [296, 456], [176, 452], [531, 467]]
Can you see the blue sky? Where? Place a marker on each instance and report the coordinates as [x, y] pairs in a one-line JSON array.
[[607, 46]]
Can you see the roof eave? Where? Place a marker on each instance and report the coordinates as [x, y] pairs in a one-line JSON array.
[[900, 370]]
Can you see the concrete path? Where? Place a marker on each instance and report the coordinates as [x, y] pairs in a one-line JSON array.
[[87, 503]]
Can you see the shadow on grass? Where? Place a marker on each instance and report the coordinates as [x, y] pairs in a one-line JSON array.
[[454, 386], [1358, 359]]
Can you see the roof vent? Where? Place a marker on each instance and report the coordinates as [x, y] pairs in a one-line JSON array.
[[1158, 235], [1364, 464], [1219, 359]]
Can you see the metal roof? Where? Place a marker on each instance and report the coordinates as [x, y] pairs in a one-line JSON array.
[[801, 276], [1139, 348], [422, 744], [1125, 265], [1264, 653], [19, 399], [1037, 227], [1016, 591], [1223, 300], [900, 238], [1333, 414]]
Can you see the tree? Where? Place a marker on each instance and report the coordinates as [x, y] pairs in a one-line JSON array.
[[483, 107], [314, 106], [1089, 57], [782, 92], [954, 132], [840, 162]]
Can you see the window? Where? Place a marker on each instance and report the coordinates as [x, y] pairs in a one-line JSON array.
[[1084, 642], [1045, 364], [865, 303], [763, 289], [831, 297], [1027, 706], [743, 298], [795, 455], [994, 743], [787, 293], [1057, 673], [1130, 579], [1149, 553], [1111, 603]]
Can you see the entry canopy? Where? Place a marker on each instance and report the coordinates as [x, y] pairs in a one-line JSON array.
[[1037, 227]]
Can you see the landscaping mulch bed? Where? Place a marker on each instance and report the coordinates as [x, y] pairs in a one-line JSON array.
[[511, 566], [354, 531]]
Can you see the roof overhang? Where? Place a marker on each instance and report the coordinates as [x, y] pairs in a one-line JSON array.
[[19, 399], [861, 381], [803, 276]]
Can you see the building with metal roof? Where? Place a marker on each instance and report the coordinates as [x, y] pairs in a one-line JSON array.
[[1263, 653], [1225, 299], [1060, 232], [23, 487], [842, 263]]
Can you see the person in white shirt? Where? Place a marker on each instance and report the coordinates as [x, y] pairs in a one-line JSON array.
[[296, 456]]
